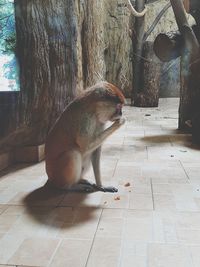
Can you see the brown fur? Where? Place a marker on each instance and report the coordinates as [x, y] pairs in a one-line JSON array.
[[75, 139]]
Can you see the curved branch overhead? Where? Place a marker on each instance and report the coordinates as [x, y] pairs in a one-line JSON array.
[[157, 19], [134, 12]]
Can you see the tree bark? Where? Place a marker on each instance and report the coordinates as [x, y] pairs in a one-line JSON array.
[[139, 94], [92, 42], [47, 57], [190, 81], [46, 50], [151, 73], [137, 40], [194, 10], [168, 46]]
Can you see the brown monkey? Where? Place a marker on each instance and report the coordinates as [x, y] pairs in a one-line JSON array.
[[76, 138]]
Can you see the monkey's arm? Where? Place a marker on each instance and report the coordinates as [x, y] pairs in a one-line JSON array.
[[96, 165], [105, 134]]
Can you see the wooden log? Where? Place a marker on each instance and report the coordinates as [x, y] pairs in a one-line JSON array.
[[149, 96], [168, 46]]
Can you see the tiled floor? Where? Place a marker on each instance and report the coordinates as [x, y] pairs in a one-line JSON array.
[[154, 222]]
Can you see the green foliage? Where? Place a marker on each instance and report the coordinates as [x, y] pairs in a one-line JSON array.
[[7, 27], [9, 74]]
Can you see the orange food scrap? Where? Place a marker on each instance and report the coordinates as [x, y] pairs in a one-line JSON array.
[[117, 198]]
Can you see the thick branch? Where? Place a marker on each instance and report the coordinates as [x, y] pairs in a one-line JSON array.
[[179, 12], [183, 25]]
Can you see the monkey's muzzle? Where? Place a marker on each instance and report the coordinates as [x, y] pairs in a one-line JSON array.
[[118, 113]]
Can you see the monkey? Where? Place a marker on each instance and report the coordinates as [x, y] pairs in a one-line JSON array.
[[75, 139]]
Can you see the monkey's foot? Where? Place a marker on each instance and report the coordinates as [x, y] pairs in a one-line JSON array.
[[108, 189], [89, 187], [83, 186]]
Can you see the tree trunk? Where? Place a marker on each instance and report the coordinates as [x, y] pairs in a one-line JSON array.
[[46, 50], [151, 73], [194, 10], [190, 81], [92, 42], [47, 33], [137, 40]]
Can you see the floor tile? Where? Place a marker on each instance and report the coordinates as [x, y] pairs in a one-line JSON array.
[[166, 255], [105, 252], [29, 254], [72, 253], [152, 221]]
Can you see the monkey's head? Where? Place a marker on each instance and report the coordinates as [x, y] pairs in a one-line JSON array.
[[109, 102]]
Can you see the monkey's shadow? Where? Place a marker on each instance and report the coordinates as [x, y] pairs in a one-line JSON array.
[[53, 208]]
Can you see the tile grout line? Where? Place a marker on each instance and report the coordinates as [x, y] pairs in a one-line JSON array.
[[122, 243], [115, 168], [184, 170], [94, 238], [153, 201], [53, 254], [171, 142], [59, 202], [190, 255], [147, 152], [123, 142]]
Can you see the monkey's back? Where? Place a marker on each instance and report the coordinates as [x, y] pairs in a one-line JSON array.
[[76, 123]]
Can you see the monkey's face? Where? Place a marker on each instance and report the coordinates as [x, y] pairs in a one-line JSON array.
[[109, 111], [118, 113]]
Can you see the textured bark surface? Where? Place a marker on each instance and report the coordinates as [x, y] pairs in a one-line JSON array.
[[118, 46], [168, 46], [46, 49], [190, 79], [170, 79], [48, 59], [92, 42], [137, 41], [149, 96]]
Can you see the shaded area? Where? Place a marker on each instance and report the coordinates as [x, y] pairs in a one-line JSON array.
[[45, 206], [186, 140]]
